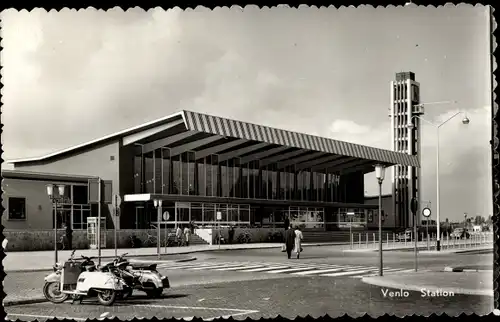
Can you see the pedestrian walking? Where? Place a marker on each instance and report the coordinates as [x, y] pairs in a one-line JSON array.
[[298, 241], [289, 241], [286, 226], [231, 234], [69, 237], [187, 234], [178, 236]]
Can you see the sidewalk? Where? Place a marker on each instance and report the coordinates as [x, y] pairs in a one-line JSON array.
[[421, 249], [478, 283], [43, 260]]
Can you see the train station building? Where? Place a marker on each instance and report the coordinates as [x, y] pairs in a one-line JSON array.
[[200, 165]]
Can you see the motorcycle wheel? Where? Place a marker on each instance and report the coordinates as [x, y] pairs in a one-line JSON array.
[[155, 293], [106, 297], [53, 294]]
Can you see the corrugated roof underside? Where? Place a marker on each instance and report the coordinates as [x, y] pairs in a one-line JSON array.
[[238, 129]]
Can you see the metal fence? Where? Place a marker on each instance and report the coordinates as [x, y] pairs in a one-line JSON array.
[[425, 242]]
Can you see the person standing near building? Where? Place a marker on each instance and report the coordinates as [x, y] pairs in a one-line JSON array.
[[69, 236], [187, 234], [285, 226], [298, 241], [178, 236], [289, 241], [231, 234]]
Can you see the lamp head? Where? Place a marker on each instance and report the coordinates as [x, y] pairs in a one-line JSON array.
[[61, 189], [410, 126], [155, 202], [465, 120], [50, 190], [379, 172]]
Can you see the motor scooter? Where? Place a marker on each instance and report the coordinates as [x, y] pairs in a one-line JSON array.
[[81, 280], [138, 276]]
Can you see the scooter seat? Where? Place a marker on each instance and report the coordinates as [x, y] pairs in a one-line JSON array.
[[144, 266]]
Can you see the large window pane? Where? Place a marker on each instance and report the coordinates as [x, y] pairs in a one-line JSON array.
[[165, 171], [224, 179], [157, 169], [264, 184], [208, 173], [232, 215], [244, 214], [244, 181], [80, 195], [274, 183], [314, 188], [190, 164], [282, 183], [196, 215], [251, 179], [138, 174], [176, 180], [236, 178], [149, 172], [307, 184], [202, 178], [208, 213], [182, 216], [184, 174]]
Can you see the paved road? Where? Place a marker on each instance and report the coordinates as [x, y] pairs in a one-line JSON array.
[[239, 283]]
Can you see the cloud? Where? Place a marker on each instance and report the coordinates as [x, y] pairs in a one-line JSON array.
[[348, 127]]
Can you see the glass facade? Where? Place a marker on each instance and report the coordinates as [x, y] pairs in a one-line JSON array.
[[203, 215], [186, 174], [76, 208], [359, 219]]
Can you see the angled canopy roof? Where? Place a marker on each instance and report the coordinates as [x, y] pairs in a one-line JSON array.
[[207, 134]]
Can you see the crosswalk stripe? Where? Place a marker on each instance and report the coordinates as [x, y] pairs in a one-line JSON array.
[[319, 271], [289, 270], [269, 268], [237, 268], [212, 267], [347, 273]]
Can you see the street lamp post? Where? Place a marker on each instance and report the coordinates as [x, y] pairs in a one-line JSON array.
[[380, 174], [158, 204], [465, 121], [56, 196]]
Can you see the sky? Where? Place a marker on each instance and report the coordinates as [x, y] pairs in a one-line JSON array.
[[70, 77]]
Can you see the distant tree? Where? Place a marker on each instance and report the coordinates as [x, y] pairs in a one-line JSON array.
[[479, 220]]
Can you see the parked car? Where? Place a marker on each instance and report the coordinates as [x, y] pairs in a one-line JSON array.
[[408, 233], [460, 233]]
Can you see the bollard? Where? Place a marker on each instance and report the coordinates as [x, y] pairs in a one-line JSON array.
[[374, 240], [393, 240], [387, 236], [447, 241], [359, 234], [366, 240]]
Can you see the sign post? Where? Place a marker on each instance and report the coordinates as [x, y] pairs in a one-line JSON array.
[[426, 212], [414, 208], [350, 215], [219, 218], [166, 217], [117, 200]]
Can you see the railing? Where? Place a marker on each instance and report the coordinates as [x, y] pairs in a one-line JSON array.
[[425, 242]]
